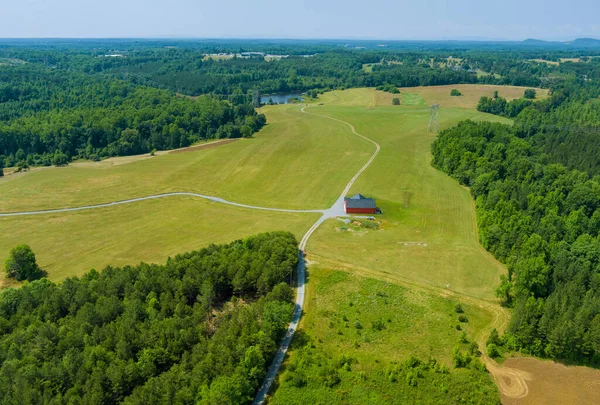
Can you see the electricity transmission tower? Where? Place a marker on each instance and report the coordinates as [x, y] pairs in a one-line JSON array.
[[433, 120], [256, 98]]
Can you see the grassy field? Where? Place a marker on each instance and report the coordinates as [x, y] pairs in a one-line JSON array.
[[427, 234], [374, 327], [406, 271], [297, 161], [368, 98], [73, 243]]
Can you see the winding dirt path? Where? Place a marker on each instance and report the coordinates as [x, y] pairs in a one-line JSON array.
[[150, 197], [511, 382], [335, 211]]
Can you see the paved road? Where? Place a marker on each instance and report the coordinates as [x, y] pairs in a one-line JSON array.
[[337, 210], [151, 197]]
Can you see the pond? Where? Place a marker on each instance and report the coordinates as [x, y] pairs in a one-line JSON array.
[[281, 98]]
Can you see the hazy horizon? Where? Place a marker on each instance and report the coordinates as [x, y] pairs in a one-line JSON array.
[[399, 20]]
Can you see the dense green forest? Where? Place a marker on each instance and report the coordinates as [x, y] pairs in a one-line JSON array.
[[67, 99], [200, 329], [51, 116], [539, 217]]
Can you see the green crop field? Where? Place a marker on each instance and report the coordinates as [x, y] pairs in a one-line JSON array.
[[298, 161], [359, 331], [68, 244], [407, 271], [428, 229]]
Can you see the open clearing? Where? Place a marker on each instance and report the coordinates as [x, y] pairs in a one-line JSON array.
[[297, 161], [427, 241], [425, 251], [428, 231], [471, 93], [70, 244], [369, 98], [412, 323], [557, 384]]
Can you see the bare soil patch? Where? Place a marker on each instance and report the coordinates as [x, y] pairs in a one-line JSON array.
[[471, 93], [554, 383], [121, 160], [204, 146]]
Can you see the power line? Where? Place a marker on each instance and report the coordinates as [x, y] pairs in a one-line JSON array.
[[433, 119]]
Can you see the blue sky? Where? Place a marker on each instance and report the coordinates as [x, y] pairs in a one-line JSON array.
[[370, 19]]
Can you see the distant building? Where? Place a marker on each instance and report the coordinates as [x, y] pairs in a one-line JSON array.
[[252, 54], [359, 204]]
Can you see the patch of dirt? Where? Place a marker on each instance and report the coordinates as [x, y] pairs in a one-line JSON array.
[[117, 160], [412, 243], [554, 383], [204, 146]]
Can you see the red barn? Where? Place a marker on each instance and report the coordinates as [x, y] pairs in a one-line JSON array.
[[359, 204]]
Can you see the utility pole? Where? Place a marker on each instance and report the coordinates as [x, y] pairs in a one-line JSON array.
[[256, 98], [433, 120]]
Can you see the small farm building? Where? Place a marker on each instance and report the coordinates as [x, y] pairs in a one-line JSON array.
[[359, 204]]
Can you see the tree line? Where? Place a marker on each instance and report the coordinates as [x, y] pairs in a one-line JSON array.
[[200, 329], [540, 218], [50, 117]]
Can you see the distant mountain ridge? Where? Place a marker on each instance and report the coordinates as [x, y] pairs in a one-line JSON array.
[[576, 43]]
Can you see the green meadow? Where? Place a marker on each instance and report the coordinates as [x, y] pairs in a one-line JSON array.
[[399, 277], [358, 335], [427, 233], [69, 244], [298, 161]]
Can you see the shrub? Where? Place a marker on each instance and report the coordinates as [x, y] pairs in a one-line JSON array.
[[459, 309], [494, 338], [330, 377], [455, 93], [492, 350], [411, 379], [358, 325], [463, 319], [530, 94], [378, 325], [295, 379], [395, 101], [411, 362], [460, 359], [60, 159], [21, 264]]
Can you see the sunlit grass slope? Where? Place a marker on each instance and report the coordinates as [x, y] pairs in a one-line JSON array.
[[428, 229], [70, 244], [359, 331], [297, 161]]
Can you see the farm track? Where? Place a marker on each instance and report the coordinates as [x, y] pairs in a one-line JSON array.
[[151, 197], [511, 382], [335, 211]]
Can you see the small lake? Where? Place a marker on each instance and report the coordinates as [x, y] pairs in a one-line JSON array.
[[281, 98]]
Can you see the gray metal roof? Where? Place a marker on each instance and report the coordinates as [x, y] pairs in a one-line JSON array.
[[360, 201]]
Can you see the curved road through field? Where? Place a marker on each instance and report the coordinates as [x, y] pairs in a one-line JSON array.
[[336, 210], [151, 197], [511, 382]]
